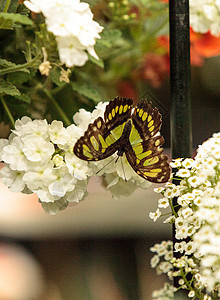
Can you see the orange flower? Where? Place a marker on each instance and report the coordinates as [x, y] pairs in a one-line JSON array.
[[203, 46]]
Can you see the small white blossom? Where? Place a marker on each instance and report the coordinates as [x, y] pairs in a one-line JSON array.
[[183, 173], [154, 261], [163, 203], [155, 215]]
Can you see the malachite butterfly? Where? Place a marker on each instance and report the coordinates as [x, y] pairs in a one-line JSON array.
[[130, 130]]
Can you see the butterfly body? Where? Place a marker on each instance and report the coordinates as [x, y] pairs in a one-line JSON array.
[[131, 131]]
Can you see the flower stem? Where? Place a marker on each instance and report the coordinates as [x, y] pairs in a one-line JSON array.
[[18, 67], [11, 119], [58, 108], [8, 2]]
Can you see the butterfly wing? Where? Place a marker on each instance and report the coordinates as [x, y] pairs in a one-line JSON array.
[[97, 143], [146, 119], [117, 112], [99, 140], [147, 160], [145, 151]]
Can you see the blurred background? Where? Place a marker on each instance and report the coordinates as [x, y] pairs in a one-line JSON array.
[[99, 250]]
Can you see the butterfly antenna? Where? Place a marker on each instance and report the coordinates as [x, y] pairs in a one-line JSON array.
[[106, 165], [123, 169]]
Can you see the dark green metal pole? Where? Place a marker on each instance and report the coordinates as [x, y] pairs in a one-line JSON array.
[[180, 78], [180, 82]]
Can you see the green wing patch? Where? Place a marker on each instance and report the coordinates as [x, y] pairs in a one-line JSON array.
[[147, 160], [146, 119], [97, 142]]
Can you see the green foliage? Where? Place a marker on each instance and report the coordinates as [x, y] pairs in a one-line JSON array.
[[55, 76], [130, 31], [6, 23], [86, 90], [15, 18], [8, 88]]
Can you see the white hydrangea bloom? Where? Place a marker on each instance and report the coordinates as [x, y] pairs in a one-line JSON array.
[[71, 21], [39, 158], [204, 16]]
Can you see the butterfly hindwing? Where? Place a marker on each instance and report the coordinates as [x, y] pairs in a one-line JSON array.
[[97, 142], [147, 160]]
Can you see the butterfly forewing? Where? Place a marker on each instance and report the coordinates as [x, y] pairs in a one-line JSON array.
[[97, 142], [117, 112]]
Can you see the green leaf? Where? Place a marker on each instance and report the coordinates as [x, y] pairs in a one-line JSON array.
[[86, 90], [55, 76], [24, 98], [18, 77], [6, 24], [8, 64], [8, 88], [97, 62], [16, 18], [109, 37]]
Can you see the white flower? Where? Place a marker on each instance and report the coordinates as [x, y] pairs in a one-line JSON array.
[[13, 154], [188, 163], [159, 190], [64, 182], [12, 179], [72, 53], [77, 167], [40, 176], [155, 215], [204, 16], [37, 128], [53, 208], [176, 163], [3, 143], [37, 149], [72, 23], [82, 118], [78, 193], [58, 160], [58, 134], [117, 186], [194, 181], [163, 203], [183, 173], [154, 261], [189, 248], [180, 247]]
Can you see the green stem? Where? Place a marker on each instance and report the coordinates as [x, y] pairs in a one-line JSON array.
[[11, 119], [18, 67], [172, 208], [8, 2], [198, 295], [58, 108]]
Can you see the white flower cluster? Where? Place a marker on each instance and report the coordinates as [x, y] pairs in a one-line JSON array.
[[207, 239], [71, 21], [197, 221], [38, 158], [205, 16], [119, 178]]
